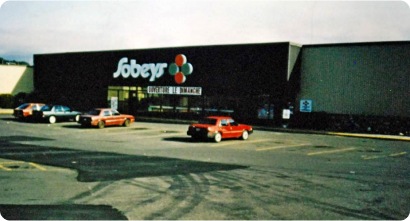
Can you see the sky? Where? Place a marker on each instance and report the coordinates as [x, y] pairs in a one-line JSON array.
[[41, 27]]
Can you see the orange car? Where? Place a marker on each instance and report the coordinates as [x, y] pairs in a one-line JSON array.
[[26, 110], [102, 117], [218, 128]]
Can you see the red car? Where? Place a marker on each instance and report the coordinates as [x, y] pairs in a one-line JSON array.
[[26, 110], [218, 128], [102, 117]]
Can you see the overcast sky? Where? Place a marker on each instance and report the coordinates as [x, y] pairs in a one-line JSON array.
[[35, 27]]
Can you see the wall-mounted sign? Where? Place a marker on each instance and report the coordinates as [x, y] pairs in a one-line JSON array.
[[174, 90], [114, 103], [179, 69], [153, 71], [306, 105], [286, 114]]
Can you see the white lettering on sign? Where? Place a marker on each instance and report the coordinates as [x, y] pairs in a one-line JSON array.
[[174, 90], [151, 70]]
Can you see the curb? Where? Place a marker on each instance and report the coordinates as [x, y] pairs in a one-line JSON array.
[[6, 111], [369, 136], [286, 130]]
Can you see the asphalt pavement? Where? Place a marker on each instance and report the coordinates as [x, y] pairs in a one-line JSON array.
[[271, 128]]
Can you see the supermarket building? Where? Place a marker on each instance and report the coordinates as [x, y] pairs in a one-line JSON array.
[[250, 81]]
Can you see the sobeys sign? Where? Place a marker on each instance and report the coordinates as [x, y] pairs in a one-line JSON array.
[[151, 70], [178, 70]]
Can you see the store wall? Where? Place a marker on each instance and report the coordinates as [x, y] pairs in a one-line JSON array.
[[359, 79], [82, 79]]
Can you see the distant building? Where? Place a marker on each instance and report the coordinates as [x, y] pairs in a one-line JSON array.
[[15, 79]]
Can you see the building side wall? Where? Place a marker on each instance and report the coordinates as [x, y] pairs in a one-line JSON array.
[[15, 79], [293, 55], [369, 79]]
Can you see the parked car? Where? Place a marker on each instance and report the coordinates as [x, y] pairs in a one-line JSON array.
[[54, 113], [218, 128], [102, 117], [25, 111]]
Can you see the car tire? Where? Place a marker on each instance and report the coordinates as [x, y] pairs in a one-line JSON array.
[[77, 118], [245, 135], [194, 138], [101, 125], [218, 137], [52, 119], [127, 123]]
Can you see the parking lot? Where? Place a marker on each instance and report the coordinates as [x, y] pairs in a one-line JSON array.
[[155, 171]]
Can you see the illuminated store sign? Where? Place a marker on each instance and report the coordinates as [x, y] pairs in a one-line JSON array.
[[179, 69], [174, 90], [151, 70]]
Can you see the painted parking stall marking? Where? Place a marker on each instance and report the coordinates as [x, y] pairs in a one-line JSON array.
[[20, 165], [229, 143], [283, 146], [384, 156], [331, 151]]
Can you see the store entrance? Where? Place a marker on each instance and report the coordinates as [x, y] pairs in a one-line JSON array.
[[138, 102]]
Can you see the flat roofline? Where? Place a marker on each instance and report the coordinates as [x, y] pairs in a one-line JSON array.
[[176, 47], [356, 43]]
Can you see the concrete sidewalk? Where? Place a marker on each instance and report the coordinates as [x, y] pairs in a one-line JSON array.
[[6, 111]]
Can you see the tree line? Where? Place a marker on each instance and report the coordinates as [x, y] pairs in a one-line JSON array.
[[14, 62]]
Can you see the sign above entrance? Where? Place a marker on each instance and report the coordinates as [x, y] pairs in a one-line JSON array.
[[151, 70], [175, 90]]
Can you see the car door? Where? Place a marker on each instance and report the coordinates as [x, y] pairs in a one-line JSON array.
[[225, 128], [67, 112], [107, 117], [58, 112], [117, 118], [235, 129]]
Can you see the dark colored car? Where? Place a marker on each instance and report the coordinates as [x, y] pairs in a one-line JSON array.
[[218, 128], [26, 110], [54, 113], [102, 117]]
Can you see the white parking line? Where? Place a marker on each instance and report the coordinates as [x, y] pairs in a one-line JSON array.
[[126, 132], [330, 151], [283, 146], [161, 135], [397, 154], [229, 143]]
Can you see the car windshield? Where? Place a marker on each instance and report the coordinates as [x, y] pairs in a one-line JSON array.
[[207, 121], [47, 108], [94, 112], [36, 107], [23, 106]]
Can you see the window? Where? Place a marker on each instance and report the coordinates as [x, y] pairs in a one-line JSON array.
[[58, 109], [94, 112], [207, 121], [115, 113], [23, 106], [107, 113], [66, 109], [233, 123], [224, 123]]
